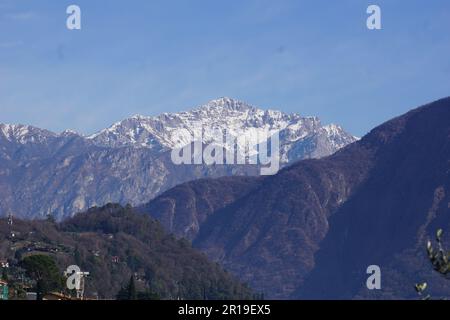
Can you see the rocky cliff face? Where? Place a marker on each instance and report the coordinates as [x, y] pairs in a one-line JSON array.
[[43, 173], [312, 230]]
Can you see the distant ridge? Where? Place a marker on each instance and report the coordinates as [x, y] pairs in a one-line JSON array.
[[43, 173]]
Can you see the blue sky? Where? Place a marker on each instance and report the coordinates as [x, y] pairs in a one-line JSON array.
[[313, 57]]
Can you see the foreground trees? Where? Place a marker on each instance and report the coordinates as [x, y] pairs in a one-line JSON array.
[[440, 259], [43, 270]]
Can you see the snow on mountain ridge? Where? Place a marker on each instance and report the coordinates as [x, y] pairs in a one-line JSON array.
[[25, 133], [129, 162], [299, 136], [224, 115]]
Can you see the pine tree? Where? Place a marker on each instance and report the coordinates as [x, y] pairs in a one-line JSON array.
[[77, 256], [44, 270], [128, 292], [4, 274], [132, 295]]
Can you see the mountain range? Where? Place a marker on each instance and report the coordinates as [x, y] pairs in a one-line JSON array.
[[338, 205], [312, 230], [43, 173]]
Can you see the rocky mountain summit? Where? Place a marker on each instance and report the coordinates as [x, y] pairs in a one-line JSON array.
[[44, 173]]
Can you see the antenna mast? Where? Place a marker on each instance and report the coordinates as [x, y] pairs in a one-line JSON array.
[[10, 219]]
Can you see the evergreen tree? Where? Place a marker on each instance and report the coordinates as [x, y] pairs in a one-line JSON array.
[[132, 295], [45, 272], [77, 256], [148, 295], [40, 290], [128, 292], [51, 219], [4, 274]]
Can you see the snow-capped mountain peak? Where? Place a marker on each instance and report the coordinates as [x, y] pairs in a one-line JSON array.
[[25, 133], [133, 163], [300, 137], [224, 115], [227, 104]]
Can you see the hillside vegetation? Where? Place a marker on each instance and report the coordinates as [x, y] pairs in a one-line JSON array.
[[114, 243]]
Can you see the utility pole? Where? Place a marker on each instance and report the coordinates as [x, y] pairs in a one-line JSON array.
[[10, 219], [10, 224]]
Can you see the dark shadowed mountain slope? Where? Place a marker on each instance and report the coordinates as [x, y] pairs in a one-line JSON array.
[[369, 203], [183, 209], [388, 221], [268, 235]]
